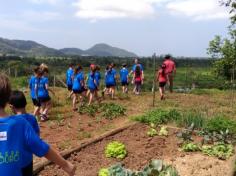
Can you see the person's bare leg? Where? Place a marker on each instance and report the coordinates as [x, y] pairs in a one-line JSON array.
[[74, 101], [47, 108], [112, 92], [91, 95]]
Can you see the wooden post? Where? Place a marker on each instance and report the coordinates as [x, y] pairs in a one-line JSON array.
[[154, 79]]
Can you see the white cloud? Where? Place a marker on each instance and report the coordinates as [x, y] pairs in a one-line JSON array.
[[106, 9], [138, 9], [198, 9]]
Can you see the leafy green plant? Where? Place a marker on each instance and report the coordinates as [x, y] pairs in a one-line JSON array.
[[220, 150], [223, 137], [152, 132], [219, 124], [91, 110], [163, 131], [190, 147], [159, 116], [186, 134], [115, 149], [112, 110], [103, 172], [154, 168]]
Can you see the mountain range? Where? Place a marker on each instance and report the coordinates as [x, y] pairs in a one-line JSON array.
[[32, 48]]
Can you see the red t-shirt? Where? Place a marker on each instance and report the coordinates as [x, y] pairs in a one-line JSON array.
[[170, 66], [138, 77], [162, 78]]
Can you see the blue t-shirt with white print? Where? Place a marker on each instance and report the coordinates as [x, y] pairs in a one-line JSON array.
[[97, 77], [17, 139], [28, 157], [77, 82], [91, 81], [32, 83], [124, 74], [69, 75], [41, 89]]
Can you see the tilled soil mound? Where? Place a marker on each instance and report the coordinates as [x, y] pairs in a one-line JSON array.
[[141, 149]]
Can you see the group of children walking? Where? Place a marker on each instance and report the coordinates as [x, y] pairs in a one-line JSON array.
[[81, 87]]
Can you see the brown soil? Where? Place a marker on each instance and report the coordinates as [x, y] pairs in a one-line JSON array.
[[141, 149]]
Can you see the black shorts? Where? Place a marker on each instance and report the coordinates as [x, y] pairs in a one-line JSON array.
[[28, 170], [79, 91], [110, 85], [36, 102], [162, 84], [44, 99], [125, 83], [69, 87]]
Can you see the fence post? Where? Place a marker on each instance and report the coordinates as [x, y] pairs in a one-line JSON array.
[[154, 79]]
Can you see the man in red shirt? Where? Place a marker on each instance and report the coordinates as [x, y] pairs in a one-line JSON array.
[[170, 71]]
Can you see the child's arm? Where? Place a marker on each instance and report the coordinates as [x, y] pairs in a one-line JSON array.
[[53, 156]]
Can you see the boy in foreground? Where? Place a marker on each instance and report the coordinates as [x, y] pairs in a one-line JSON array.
[[17, 138]]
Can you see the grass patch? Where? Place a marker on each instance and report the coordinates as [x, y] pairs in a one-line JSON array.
[[112, 110]]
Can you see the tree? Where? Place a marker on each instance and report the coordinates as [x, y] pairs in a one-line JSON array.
[[224, 50]]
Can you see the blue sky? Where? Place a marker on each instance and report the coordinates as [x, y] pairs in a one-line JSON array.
[[179, 27]]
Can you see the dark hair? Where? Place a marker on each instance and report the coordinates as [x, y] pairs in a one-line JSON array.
[[124, 65], [163, 67], [17, 99], [71, 65], [79, 67], [167, 56], [36, 69], [137, 70], [5, 90], [97, 67], [76, 70]]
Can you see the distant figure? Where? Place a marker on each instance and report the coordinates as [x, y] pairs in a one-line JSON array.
[[110, 80], [33, 82], [69, 81], [136, 63], [91, 83], [170, 71], [43, 93], [137, 80], [124, 78], [162, 79]]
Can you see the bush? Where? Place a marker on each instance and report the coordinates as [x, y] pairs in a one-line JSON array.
[[220, 124], [158, 116], [112, 110]]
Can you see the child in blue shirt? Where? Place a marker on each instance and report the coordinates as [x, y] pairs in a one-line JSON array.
[[110, 80], [77, 87], [124, 77], [69, 79], [18, 104], [43, 93], [17, 139], [92, 83], [32, 85]]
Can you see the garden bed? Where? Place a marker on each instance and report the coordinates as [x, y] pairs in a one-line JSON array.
[[141, 149]]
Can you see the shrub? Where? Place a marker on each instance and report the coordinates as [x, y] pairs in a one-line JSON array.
[[219, 124], [112, 110]]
